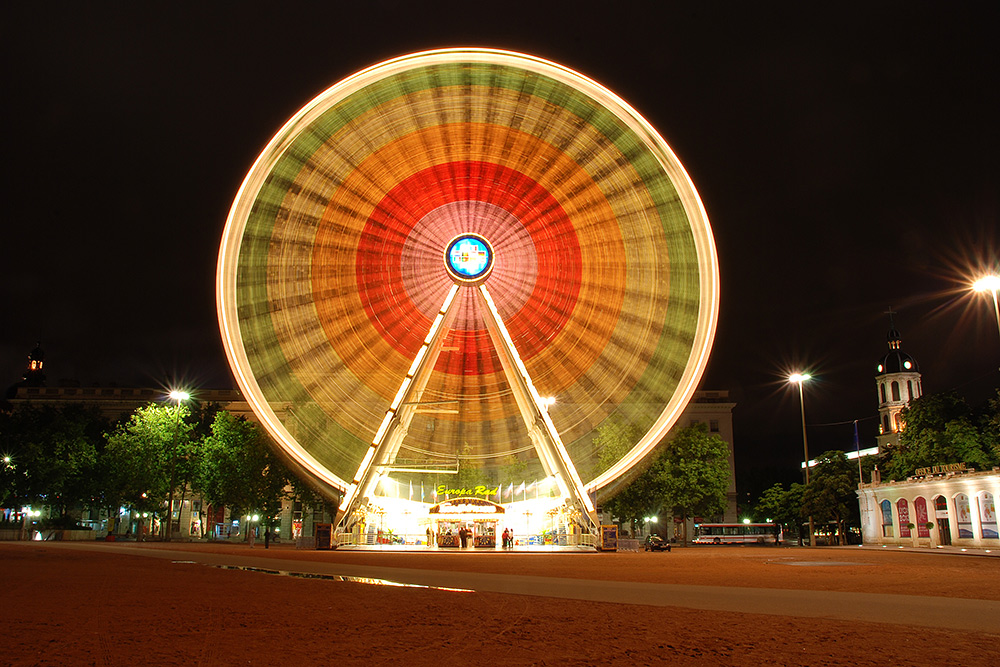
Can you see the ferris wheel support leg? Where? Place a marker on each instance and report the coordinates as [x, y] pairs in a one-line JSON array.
[[549, 446], [389, 436]]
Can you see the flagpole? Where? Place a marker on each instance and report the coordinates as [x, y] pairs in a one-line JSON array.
[[857, 444]]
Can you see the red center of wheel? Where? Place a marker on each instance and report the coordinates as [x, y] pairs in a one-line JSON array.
[[537, 268]]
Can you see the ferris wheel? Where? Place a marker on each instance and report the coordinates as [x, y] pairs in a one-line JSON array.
[[466, 256]]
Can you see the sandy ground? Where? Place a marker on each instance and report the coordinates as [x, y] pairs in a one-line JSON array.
[[69, 607]]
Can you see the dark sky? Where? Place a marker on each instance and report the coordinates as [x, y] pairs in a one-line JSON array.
[[848, 161]]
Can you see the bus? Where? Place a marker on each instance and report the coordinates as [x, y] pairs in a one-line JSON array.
[[737, 533]]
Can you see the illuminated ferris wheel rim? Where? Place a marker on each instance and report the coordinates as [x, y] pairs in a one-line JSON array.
[[689, 200]]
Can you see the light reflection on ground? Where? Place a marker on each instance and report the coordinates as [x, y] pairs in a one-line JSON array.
[[815, 563], [333, 577]]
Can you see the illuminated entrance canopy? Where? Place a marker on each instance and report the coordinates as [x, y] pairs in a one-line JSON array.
[[462, 506]]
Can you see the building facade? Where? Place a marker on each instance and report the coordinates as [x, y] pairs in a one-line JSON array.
[[947, 505]]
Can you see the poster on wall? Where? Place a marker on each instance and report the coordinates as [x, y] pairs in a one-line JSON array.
[[886, 518], [964, 517], [988, 516], [920, 510], [903, 509]]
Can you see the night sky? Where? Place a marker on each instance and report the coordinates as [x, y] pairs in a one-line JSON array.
[[848, 162]]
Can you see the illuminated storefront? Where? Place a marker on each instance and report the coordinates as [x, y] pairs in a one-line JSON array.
[[533, 513], [946, 505]]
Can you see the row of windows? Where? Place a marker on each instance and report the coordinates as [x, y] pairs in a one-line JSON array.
[[61, 391], [894, 391]]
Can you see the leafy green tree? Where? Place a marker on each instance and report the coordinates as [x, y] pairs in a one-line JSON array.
[[781, 505], [991, 426], [689, 477], [310, 499], [239, 468], [52, 454], [941, 428], [830, 494], [638, 498], [613, 440], [470, 472], [146, 456], [694, 471], [513, 470]]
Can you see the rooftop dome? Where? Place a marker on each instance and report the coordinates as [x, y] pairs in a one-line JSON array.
[[896, 361]]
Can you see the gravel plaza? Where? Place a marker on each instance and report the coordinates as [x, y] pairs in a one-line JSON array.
[[227, 604]]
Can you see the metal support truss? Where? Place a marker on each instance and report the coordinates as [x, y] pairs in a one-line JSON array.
[[392, 430], [385, 446], [549, 446]]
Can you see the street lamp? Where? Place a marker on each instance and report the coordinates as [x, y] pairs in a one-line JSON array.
[[177, 396], [648, 520], [990, 283], [799, 378]]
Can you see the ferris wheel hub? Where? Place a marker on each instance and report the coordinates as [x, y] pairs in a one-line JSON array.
[[468, 258]]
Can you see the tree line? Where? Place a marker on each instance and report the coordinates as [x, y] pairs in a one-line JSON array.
[[68, 457]]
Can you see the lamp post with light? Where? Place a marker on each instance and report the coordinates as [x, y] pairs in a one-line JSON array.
[[177, 396], [799, 378], [990, 283], [252, 529]]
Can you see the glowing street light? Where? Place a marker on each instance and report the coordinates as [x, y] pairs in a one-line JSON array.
[[178, 396], [799, 378], [990, 283]]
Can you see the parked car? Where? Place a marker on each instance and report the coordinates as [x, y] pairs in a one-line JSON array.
[[657, 543]]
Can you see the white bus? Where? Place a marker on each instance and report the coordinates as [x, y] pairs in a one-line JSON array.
[[737, 533]]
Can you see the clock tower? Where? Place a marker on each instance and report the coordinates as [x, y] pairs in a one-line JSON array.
[[897, 382]]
